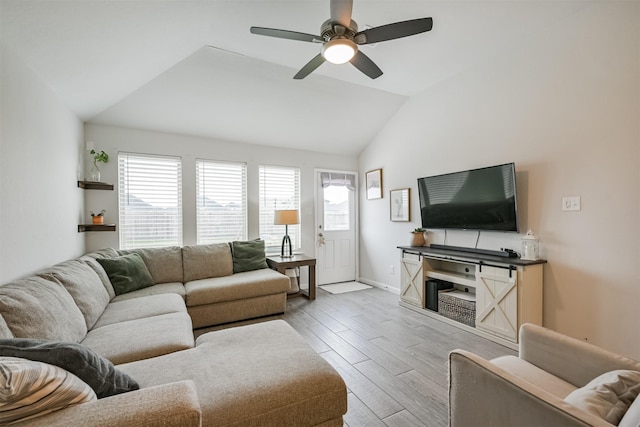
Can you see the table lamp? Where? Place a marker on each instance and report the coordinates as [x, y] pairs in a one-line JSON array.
[[286, 217]]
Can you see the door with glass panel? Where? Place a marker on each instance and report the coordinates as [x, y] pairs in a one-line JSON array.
[[336, 226]]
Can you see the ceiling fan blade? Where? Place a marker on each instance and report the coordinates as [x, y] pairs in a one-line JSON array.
[[363, 63], [341, 12], [394, 31], [317, 61], [285, 34]]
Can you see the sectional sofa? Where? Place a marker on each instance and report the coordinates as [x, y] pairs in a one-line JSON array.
[[261, 374]]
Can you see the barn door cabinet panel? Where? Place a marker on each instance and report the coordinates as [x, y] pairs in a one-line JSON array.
[[412, 280], [497, 302]]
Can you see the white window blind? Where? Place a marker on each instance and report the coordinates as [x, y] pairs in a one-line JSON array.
[[150, 199], [279, 189], [221, 205]]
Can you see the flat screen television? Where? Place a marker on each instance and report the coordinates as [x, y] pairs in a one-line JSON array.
[[476, 199]]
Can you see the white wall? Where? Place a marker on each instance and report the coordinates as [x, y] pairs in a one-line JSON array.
[[565, 108], [112, 140], [40, 204]]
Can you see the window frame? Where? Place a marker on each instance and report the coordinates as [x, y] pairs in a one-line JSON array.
[[127, 221], [266, 229], [200, 235]]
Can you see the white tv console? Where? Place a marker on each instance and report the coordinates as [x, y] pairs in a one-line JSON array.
[[508, 291]]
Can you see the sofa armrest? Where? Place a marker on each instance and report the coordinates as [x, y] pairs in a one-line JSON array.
[[575, 361], [480, 393], [168, 405]]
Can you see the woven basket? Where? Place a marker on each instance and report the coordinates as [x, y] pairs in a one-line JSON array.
[[458, 309]]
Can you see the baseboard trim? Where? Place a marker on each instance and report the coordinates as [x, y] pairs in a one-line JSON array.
[[379, 285]]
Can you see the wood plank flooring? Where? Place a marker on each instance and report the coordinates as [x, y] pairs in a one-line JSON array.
[[392, 359]]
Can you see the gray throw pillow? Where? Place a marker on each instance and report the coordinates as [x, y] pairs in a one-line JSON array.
[[127, 273], [98, 372], [248, 256]]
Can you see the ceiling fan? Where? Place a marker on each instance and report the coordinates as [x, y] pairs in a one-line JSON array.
[[340, 39]]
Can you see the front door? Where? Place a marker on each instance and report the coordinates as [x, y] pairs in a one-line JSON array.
[[336, 226]]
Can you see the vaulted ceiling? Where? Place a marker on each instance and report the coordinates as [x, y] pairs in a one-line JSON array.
[[192, 67]]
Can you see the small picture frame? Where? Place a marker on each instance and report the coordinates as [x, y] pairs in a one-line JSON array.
[[374, 184], [400, 202]]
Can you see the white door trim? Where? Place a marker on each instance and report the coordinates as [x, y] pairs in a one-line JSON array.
[[316, 183]]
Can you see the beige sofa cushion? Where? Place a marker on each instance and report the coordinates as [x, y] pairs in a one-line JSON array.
[[241, 309], [141, 338], [139, 308], [5, 332], [204, 261], [168, 405], [164, 264], [238, 286], [90, 259], [103, 253], [262, 374], [35, 307], [84, 285], [536, 376], [163, 288]]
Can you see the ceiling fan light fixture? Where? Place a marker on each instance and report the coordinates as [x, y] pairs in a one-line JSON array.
[[339, 50]]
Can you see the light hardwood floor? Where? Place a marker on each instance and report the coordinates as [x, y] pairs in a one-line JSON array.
[[392, 359]]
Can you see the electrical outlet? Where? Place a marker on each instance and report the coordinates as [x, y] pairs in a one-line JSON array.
[[392, 269], [571, 203]]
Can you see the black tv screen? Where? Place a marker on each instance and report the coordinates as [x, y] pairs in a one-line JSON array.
[[477, 199]]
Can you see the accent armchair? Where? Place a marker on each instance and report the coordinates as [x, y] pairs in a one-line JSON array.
[[554, 381]]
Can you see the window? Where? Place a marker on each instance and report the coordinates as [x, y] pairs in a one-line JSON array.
[[150, 199], [336, 208], [221, 201], [279, 189], [338, 192]]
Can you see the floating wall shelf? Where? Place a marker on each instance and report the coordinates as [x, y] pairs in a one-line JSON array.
[[91, 185], [96, 227]]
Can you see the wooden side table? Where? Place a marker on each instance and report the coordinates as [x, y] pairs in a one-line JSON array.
[[280, 264]]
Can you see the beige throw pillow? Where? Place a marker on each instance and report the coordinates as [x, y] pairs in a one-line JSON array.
[[607, 396]]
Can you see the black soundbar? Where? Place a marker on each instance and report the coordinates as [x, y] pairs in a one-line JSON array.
[[504, 253]]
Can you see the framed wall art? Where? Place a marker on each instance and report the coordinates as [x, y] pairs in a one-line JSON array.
[[400, 202], [374, 184]]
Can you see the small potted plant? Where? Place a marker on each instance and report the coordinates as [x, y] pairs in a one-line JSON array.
[[94, 173], [98, 218], [417, 237]]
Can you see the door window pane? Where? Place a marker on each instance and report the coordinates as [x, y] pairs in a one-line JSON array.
[[336, 208]]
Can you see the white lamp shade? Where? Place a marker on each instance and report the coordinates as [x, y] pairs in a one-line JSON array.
[[339, 51], [286, 217]]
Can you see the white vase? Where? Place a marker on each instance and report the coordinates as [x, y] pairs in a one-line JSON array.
[[94, 173], [426, 238]]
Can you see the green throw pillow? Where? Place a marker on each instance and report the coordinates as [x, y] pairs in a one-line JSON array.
[[127, 273], [81, 361], [248, 256]]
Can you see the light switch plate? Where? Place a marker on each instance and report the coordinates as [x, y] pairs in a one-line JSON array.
[[571, 203]]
